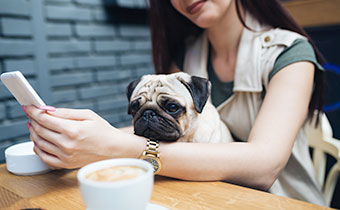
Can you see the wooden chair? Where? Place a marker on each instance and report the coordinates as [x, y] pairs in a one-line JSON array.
[[321, 139]]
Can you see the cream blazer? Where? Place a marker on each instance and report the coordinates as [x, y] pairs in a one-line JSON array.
[[257, 53]]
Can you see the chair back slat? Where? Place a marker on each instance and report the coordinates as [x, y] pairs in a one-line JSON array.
[[319, 162], [331, 182], [321, 139]]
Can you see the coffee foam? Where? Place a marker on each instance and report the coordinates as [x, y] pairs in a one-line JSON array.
[[116, 173]]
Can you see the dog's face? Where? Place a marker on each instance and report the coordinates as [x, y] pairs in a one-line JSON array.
[[164, 107]]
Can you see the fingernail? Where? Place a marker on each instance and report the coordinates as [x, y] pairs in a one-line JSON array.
[[24, 108], [28, 124], [48, 108]]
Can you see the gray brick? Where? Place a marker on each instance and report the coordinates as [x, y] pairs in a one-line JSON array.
[[98, 91], [15, 47], [90, 2], [144, 70], [126, 117], [2, 111], [82, 105], [114, 75], [112, 118], [3, 147], [58, 29], [13, 130], [112, 104], [135, 59], [116, 45], [131, 3], [143, 45], [34, 84], [69, 46], [134, 31], [16, 27], [95, 30], [126, 3], [59, 1], [15, 7], [14, 110], [68, 13], [71, 79], [99, 15], [4, 92], [60, 63], [64, 96], [123, 124], [95, 61], [26, 66], [141, 3]]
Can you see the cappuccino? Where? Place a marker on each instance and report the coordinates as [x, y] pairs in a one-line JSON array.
[[116, 173]]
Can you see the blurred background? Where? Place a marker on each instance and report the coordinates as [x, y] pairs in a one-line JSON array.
[[84, 53], [75, 53]]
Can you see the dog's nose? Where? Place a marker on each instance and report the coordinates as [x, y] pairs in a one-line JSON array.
[[148, 114]]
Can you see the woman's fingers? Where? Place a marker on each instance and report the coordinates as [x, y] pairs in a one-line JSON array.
[[73, 114], [52, 161], [45, 133], [45, 145], [52, 142], [41, 117], [49, 153]]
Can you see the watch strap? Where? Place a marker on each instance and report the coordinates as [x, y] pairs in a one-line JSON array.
[[152, 147], [151, 154]]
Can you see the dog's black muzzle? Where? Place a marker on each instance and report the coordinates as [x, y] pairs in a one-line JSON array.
[[152, 125]]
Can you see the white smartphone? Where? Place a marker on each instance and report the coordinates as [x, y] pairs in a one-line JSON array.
[[21, 89]]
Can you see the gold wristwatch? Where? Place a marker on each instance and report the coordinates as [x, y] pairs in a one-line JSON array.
[[151, 155]]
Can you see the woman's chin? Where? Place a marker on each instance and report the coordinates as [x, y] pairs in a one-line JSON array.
[[204, 22], [206, 19]]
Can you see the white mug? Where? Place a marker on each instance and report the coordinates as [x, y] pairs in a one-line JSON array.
[[130, 194]]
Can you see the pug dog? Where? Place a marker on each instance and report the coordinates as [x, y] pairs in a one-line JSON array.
[[175, 107]]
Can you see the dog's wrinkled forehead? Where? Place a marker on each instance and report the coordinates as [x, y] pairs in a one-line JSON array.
[[153, 85]]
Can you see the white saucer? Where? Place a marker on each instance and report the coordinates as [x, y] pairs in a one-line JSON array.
[[152, 206], [21, 160]]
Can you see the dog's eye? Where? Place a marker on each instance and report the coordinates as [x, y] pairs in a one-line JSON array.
[[172, 108], [134, 106]]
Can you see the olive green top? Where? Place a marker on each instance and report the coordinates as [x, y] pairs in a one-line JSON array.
[[300, 50]]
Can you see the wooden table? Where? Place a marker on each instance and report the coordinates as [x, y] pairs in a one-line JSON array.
[[59, 190]]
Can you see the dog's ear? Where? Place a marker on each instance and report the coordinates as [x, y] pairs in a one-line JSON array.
[[131, 88], [129, 91], [199, 89]]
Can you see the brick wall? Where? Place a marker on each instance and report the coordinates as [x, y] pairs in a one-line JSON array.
[[72, 56]]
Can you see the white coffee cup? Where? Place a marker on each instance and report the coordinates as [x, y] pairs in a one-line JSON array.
[[129, 194]]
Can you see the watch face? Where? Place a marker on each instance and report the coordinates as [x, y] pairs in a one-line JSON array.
[[153, 162]]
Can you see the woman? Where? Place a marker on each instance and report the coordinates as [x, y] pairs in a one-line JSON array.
[[262, 69]]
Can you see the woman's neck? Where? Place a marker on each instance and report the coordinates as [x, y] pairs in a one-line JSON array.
[[226, 34]]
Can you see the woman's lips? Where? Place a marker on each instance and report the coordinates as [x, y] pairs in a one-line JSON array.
[[195, 7]]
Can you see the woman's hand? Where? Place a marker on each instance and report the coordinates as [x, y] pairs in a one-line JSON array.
[[69, 138]]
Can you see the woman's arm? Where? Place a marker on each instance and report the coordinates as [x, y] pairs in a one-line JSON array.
[[128, 129], [258, 162]]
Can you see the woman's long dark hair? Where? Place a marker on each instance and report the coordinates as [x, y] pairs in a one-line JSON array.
[[170, 30]]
